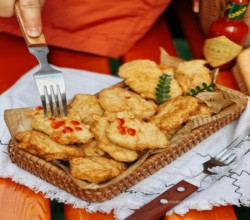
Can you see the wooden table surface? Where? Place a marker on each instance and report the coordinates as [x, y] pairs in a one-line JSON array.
[[19, 202]]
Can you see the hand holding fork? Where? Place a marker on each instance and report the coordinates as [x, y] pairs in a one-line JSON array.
[[50, 82]]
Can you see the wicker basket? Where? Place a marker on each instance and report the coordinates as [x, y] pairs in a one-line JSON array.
[[210, 10], [54, 174]]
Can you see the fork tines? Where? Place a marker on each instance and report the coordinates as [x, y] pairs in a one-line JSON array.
[[226, 156], [51, 88], [52, 95], [50, 84]]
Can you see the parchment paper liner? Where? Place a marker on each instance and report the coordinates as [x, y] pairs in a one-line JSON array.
[[56, 174]]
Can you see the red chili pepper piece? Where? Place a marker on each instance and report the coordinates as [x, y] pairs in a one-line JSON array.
[[131, 131], [67, 130], [120, 121], [39, 108], [122, 130], [78, 128], [75, 122], [57, 124], [120, 126]]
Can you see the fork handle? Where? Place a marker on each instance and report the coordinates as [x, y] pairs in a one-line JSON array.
[[164, 202], [30, 41]]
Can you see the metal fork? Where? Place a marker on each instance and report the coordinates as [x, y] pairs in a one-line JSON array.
[[177, 193], [49, 81]]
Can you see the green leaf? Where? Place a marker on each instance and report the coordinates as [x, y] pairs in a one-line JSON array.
[[198, 89], [160, 86], [163, 88], [204, 84], [158, 90], [166, 87]]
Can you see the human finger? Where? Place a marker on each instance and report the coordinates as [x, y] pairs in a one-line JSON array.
[[7, 8], [31, 12]]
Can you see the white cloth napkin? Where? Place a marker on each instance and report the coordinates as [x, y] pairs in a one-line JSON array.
[[231, 187]]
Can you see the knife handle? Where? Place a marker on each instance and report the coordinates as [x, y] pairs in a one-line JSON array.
[[30, 41], [164, 202]]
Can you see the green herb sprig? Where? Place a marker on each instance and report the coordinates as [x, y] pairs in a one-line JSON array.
[[163, 88], [198, 89]]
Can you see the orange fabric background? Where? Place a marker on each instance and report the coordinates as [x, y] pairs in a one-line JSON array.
[[108, 28]]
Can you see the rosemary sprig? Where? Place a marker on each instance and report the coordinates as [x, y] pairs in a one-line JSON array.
[[198, 89], [163, 88]]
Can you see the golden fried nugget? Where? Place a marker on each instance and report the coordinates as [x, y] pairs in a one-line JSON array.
[[142, 76], [115, 151], [201, 112], [174, 112], [86, 106], [190, 74], [63, 130], [136, 134], [121, 99], [41, 145], [95, 169], [91, 149]]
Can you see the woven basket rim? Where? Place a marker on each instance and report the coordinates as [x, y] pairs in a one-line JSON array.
[[60, 178]]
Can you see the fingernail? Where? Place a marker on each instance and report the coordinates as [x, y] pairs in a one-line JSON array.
[[34, 32]]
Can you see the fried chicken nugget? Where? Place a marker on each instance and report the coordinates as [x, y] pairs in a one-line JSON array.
[[115, 151], [141, 76], [136, 134], [173, 113], [91, 149], [86, 106], [190, 74], [63, 130], [95, 169], [121, 99], [41, 145]]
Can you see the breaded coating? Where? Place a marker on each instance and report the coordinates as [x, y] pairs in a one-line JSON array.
[[136, 134], [121, 99], [41, 145], [95, 169], [63, 130], [86, 106], [174, 112], [115, 151], [142, 76], [201, 112], [190, 74], [91, 149]]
